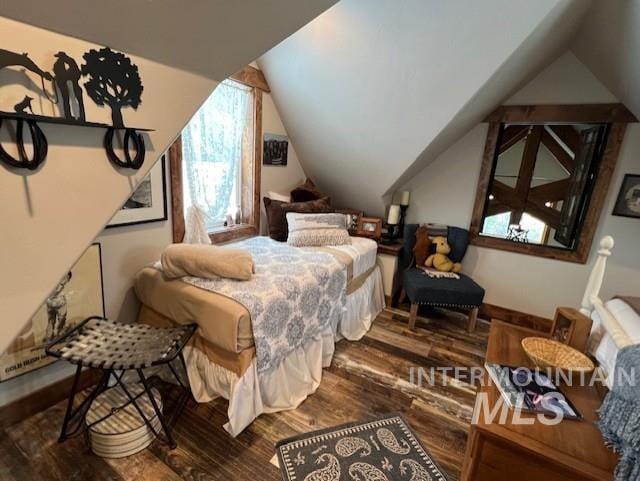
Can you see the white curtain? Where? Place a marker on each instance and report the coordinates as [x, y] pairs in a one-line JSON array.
[[212, 152]]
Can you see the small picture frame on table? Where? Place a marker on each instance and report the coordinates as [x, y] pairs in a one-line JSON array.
[[353, 215], [369, 227]]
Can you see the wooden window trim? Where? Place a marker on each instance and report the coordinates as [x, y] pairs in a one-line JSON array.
[[252, 225], [616, 115]]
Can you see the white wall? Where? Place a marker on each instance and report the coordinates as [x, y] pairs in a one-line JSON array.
[[281, 179], [370, 93], [125, 250], [444, 192]]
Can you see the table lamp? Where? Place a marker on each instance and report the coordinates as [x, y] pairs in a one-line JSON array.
[[402, 199], [393, 219]]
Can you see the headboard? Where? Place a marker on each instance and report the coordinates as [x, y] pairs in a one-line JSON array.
[[591, 300]]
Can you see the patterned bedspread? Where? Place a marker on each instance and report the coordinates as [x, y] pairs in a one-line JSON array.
[[294, 295]]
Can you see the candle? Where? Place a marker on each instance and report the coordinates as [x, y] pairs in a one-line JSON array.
[[394, 214], [402, 198]]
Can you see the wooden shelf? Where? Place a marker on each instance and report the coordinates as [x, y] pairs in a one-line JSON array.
[[64, 121]]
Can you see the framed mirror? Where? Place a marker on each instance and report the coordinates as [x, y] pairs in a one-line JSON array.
[[545, 174]]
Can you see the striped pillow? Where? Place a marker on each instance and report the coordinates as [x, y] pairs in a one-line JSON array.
[[316, 230]]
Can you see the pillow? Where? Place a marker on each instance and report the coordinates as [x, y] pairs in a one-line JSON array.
[[206, 261], [277, 211], [278, 196], [317, 230], [422, 247], [306, 192]]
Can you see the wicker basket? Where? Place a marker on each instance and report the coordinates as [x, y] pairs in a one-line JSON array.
[[550, 354]]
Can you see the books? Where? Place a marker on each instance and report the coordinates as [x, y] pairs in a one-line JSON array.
[[530, 391]]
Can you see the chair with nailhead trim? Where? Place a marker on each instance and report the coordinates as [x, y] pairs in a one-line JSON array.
[[463, 293]]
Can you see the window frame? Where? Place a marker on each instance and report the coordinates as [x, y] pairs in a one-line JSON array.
[[616, 115], [250, 188]]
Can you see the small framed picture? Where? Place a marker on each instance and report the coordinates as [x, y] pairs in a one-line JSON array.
[[628, 202], [149, 201], [369, 227], [353, 215], [275, 150]]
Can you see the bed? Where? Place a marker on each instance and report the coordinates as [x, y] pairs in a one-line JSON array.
[[221, 358], [616, 322]]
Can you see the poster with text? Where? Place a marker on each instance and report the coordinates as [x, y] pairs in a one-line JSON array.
[[77, 296]]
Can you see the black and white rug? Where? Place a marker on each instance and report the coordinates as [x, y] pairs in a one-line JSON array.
[[385, 449]]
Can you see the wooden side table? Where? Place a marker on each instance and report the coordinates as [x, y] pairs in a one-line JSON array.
[[388, 262], [569, 451]]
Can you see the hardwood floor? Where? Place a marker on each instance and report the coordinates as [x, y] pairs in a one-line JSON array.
[[368, 377]]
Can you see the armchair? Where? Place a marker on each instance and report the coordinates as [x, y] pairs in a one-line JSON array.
[[421, 289]]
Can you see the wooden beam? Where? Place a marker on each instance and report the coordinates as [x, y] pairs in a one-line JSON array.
[[577, 113], [507, 195], [252, 77], [496, 208], [568, 135], [511, 136], [44, 398], [549, 216], [484, 181], [551, 192], [509, 198], [527, 166], [558, 152], [175, 174]]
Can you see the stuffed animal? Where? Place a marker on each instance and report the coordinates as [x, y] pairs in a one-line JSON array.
[[440, 260], [423, 242]]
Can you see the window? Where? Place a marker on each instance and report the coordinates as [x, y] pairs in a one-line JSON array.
[[544, 177], [213, 145], [215, 163]]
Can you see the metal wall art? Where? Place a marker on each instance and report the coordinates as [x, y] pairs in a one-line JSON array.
[[109, 79]]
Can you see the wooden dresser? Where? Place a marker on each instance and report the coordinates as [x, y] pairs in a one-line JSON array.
[[569, 451]]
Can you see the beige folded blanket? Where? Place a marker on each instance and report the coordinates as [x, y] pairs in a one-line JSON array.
[[199, 260]]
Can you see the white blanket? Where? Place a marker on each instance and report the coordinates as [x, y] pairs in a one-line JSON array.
[[601, 345], [297, 376]]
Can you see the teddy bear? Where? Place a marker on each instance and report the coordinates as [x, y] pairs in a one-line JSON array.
[[440, 259]]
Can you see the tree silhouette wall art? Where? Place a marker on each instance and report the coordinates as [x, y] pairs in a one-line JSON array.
[[110, 78], [113, 81]]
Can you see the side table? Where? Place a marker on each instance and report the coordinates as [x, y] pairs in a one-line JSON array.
[[116, 348], [388, 262]]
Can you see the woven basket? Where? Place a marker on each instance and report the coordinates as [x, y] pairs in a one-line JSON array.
[[550, 354]]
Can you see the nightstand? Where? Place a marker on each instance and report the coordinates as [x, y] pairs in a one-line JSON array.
[[388, 262]]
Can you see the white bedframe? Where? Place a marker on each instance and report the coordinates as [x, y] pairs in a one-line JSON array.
[[591, 299]]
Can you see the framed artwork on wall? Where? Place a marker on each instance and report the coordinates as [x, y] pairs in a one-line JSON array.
[[628, 202], [78, 295], [148, 203], [275, 150]]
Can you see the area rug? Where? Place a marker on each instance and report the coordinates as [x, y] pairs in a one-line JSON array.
[[383, 449]]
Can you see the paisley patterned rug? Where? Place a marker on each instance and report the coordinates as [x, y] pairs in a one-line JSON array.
[[385, 449]]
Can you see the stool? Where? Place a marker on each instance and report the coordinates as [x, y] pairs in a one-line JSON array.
[[116, 348]]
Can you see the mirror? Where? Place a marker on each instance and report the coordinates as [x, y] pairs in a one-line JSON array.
[[541, 183], [545, 175]]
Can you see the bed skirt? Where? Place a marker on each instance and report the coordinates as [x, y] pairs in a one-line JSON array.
[[297, 377]]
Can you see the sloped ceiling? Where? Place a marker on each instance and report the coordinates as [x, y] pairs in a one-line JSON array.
[[608, 43], [49, 217], [213, 38], [371, 94]]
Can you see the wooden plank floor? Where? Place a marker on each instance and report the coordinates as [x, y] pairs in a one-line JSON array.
[[367, 378]]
